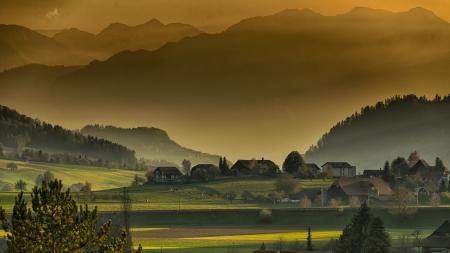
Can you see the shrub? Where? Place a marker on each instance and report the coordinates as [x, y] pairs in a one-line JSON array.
[[265, 215]]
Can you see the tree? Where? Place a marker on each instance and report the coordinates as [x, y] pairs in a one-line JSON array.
[[309, 246], [377, 240], [1, 152], [223, 167], [11, 166], [126, 214], [54, 223], [149, 175], [442, 186], [400, 167], [387, 175], [21, 185], [287, 184], [439, 163], [230, 196], [354, 235], [402, 198], [435, 199], [137, 180], [247, 196], [46, 177], [262, 247], [305, 202], [86, 192], [294, 163], [186, 167], [413, 158]]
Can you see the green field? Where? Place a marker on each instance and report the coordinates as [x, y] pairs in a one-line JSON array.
[[100, 178]]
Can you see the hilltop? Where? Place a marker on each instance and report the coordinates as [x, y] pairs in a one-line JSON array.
[[389, 129], [150, 143], [19, 132]]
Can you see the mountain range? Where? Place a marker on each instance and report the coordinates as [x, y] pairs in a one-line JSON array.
[[20, 45], [386, 130], [288, 76], [150, 143]]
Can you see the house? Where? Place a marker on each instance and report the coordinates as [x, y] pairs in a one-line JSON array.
[[256, 167], [205, 172], [363, 188], [439, 240], [339, 169], [373, 173], [421, 170], [314, 168], [167, 174]]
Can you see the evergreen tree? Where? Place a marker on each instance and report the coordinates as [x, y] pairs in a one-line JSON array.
[[439, 163], [262, 247], [224, 168], [442, 186], [21, 185], [309, 246], [55, 224], [294, 163], [400, 167], [354, 235], [387, 175], [377, 240]]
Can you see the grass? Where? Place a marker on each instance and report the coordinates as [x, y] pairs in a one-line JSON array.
[[100, 178]]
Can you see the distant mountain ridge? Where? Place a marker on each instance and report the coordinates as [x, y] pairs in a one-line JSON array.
[[20, 45], [18, 132], [150, 143], [387, 130]]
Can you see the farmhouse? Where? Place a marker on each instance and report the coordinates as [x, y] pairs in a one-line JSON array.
[[345, 188], [339, 169], [205, 172], [256, 167], [422, 170], [313, 168], [439, 240], [167, 174]]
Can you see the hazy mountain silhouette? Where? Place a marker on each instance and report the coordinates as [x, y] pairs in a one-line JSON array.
[[118, 37], [17, 132], [150, 143], [20, 45], [262, 76], [387, 130]]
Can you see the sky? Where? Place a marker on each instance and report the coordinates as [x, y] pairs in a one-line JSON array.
[[236, 140], [207, 15]]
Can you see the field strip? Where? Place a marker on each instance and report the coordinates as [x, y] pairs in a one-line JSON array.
[[319, 235]]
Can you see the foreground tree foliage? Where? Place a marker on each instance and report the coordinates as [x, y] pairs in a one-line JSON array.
[[366, 234], [55, 223]]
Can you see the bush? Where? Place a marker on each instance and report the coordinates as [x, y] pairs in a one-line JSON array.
[[265, 215], [435, 199], [305, 202]]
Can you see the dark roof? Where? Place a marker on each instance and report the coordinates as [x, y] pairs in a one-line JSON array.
[[205, 167], [169, 170], [312, 166], [373, 173], [360, 186], [422, 169], [255, 165], [339, 165], [439, 238]]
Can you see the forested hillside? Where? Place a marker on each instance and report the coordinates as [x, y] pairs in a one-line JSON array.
[[389, 129], [150, 143], [19, 133]]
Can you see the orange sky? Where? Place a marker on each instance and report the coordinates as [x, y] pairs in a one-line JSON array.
[[208, 15]]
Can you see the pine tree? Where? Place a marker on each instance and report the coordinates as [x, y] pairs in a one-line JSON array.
[[55, 224], [439, 163], [309, 246], [387, 175], [377, 240], [224, 168], [262, 247], [442, 186]]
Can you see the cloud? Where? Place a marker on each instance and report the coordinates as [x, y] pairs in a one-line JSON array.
[[52, 14]]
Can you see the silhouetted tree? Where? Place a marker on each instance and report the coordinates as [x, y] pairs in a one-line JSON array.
[[186, 167], [21, 185], [224, 167], [377, 240], [400, 167], [294, 163], [309, 246], [439, 163], [54, 223], [413, 158], [387, 175]]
